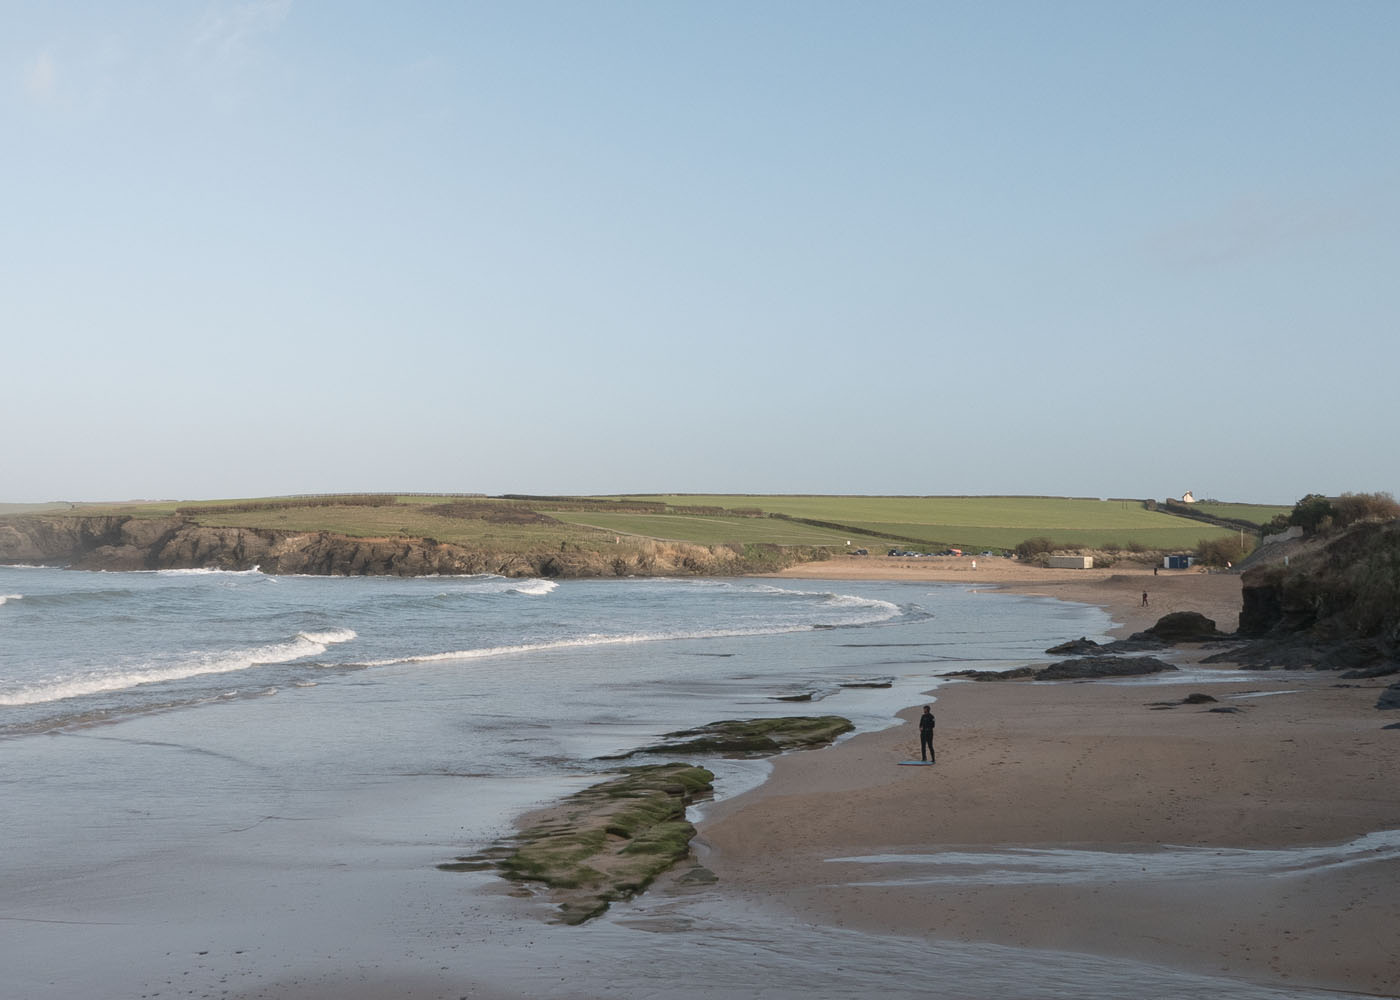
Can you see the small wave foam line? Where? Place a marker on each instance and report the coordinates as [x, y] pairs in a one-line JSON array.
[[208, 571], [222, 662], [580, 642], [475, 586], [1070, 867], [831, 599], [6, 598]]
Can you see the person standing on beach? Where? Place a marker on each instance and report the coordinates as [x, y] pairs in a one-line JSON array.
[[926, 735], [1144, 598]]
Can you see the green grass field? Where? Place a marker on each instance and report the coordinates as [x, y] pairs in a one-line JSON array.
[[925, 523], [974, 523], [1252, 512], [710, 529]]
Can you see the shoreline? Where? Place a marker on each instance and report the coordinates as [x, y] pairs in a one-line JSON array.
[[1097, 775]]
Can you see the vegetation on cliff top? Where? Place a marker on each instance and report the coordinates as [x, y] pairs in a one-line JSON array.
[[518, 522]]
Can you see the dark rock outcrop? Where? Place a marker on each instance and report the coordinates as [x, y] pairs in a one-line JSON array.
[[1357, 658], [1183, 626], [1015, 674], [1390, 697], [750, 737], [1079, 668], [1344, 587], [1083, 646], [1102, 666], [1333, 604]]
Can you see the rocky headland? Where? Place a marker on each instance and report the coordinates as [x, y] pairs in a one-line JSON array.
[[1332, 604], [121, 542]]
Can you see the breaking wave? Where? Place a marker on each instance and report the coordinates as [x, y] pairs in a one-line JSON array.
[[581, 642], [178, 667]]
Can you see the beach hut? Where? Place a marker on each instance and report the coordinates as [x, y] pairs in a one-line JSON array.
[[1177, 562]]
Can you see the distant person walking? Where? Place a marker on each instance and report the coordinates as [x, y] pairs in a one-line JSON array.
[[926, 735], [1144, 598]]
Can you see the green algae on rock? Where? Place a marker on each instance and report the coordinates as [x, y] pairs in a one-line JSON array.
[[752, 737], [607, 842]]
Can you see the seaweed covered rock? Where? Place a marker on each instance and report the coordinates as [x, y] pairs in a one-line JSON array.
[[607, 842], [751, 737]]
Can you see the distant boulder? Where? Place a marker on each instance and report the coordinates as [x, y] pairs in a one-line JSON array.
[[1102, 666], [1079, 668], [1390, 697], [1015, 674], [1183, 626], [1083, 646]]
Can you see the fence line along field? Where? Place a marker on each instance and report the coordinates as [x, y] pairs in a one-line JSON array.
[[508, 523], [973, 523]]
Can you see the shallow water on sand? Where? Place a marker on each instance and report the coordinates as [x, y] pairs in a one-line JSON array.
[[229, 784]]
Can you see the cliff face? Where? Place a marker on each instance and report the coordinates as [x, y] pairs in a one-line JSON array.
[[127, 543], [1344, 588]]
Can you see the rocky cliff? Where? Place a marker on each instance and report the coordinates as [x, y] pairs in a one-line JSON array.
[[1335, 604], [1346, 586], [132, 543]]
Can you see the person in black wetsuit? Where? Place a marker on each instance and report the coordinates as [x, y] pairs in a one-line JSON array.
[[926, 735]]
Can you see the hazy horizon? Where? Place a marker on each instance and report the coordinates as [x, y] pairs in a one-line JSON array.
[[267, 247]]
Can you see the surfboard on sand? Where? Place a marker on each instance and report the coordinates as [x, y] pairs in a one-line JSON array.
[[917, 763]]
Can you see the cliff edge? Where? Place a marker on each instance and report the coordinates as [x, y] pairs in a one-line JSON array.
[[147, 543]]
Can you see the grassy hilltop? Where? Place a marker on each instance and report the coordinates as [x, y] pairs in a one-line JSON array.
[[523, 524]]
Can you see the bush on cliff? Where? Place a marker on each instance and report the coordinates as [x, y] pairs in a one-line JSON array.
[[1223, 551]]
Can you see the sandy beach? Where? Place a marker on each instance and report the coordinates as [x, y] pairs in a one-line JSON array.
[[1228, 843]]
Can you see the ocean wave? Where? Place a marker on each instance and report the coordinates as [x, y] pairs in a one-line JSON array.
[[330, 637], [830, 598], [479, 584], [208, 571], [6, 598], [579, 642], [69, 597], [194, 664]]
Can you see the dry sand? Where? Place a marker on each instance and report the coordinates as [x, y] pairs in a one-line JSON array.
[[1098, 767]]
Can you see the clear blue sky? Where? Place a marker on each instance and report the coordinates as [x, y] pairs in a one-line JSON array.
[[1097, 249]]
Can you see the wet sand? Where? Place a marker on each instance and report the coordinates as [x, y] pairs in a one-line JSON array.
[[1187, 829]]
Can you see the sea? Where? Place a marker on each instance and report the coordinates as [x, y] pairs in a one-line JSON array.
[[219, 784]]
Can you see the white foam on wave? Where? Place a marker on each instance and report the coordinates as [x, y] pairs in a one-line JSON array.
[[330, 637], [490, 584], [193, 664], [580, 642], [209, 571], [6, 598], [883, 609]]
